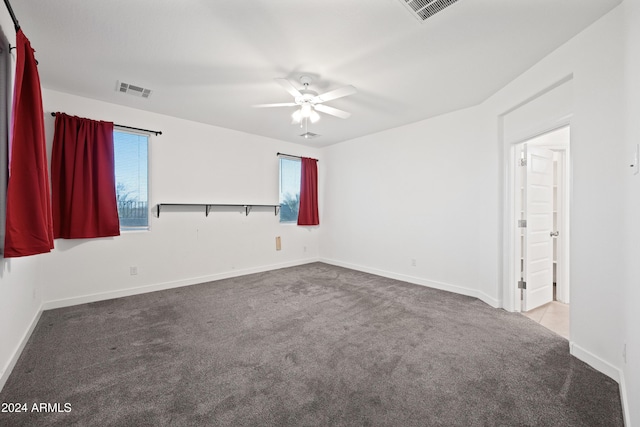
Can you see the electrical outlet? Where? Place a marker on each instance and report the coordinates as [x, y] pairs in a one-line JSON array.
[[278, 243], [133, 271], [304, 249], [413, 262]]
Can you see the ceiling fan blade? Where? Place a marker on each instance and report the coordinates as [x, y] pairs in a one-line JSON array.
[[335, 94], [282, 104], [286, 84], [333, 111]]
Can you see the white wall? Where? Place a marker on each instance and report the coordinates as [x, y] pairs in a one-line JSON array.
[[431, 191], [595, 59], [434, 191], [20, 301], [631, 210], [426, 191], [189, 162]]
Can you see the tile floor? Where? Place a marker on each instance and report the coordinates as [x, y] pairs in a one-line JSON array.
[[553, 316]]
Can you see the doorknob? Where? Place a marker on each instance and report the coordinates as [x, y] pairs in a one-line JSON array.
[[554, 233]]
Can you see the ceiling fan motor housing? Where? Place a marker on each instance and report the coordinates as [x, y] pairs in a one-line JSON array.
[[305, 80]]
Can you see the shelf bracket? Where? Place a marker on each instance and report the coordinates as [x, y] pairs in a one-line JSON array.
[[207, 208], [247, 209], [158, 208], [276, 208]]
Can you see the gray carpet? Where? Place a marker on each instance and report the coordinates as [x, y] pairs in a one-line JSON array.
[[315, 345]]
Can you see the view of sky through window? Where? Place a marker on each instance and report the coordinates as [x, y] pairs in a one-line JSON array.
[[131, 171], [289, 189], [131, 164]]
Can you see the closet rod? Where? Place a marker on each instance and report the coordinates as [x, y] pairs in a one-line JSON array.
[[157, 132], [290, 155], [13, 15]]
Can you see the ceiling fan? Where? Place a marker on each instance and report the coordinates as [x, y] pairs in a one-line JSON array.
[[310, 102]]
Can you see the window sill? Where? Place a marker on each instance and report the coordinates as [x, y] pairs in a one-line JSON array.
[[134, 230]]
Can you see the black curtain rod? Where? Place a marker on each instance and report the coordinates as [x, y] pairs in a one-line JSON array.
[[290, 155], [157, 132], [13, 15]]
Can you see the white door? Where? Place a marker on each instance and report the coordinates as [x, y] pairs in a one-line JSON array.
[[538, 265]]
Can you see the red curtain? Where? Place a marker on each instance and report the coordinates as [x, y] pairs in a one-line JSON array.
[[308, 213], [83, 179], [29, 226]]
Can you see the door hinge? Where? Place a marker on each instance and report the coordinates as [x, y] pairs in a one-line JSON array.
[[523, 162], [522, 223], [522, 284]]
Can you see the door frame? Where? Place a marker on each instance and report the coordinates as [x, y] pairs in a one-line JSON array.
[[511, 239]]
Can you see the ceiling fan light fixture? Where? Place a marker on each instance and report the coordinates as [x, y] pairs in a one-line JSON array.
[[297, 116], [306, 110], [314, 116]]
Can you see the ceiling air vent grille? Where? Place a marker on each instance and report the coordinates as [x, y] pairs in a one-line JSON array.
[[423, 9], [133, 90]]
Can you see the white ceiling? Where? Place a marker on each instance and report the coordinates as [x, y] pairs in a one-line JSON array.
[[210, 61]]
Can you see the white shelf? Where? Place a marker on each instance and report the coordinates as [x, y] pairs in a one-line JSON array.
[[208, 206]]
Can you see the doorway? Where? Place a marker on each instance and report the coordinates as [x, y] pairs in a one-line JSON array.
[[542, 251]]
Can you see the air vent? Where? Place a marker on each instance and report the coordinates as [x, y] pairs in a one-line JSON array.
[[309, 135], [423, 9], [133, 90]]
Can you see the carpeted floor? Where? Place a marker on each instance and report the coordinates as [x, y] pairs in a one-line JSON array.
[[315, 345]]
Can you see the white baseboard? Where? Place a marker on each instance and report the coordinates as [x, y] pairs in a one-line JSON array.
[[609, 370], [594, 361], [66, 302], [493, 302], [575, 350], [101, 296], [11, 363], [626, 412]]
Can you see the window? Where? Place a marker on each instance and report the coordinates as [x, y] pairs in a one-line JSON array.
[[289, 189], [130, 150]]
